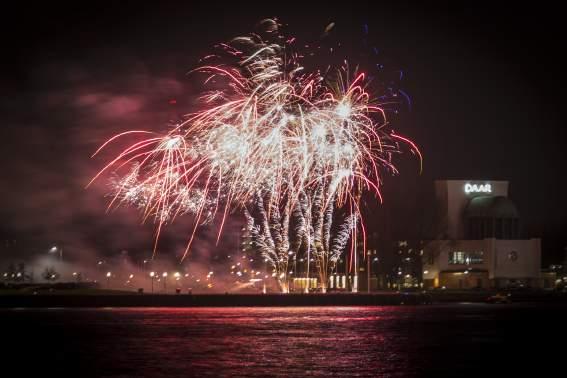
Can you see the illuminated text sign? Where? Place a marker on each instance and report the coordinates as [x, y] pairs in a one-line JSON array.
[[478, 188]]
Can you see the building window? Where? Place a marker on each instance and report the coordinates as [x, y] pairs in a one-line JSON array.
[[457, 258], [466, 258]]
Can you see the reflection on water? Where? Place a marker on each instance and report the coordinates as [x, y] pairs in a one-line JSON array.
[[323, 341]]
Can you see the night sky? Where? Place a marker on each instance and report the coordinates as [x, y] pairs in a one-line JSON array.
[[486, 87]]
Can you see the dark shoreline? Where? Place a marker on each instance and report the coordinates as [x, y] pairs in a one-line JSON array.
[[251, 300], [210, 300]]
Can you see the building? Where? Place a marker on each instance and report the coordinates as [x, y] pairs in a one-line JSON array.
[[479, 242], [390, 264]]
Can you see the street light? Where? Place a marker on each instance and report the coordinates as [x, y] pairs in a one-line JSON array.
[[56, 249], [108, 275], [164, 275], [152, 275], [78, 276]]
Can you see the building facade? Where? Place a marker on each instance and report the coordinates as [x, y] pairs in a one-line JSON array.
[[479, 243]]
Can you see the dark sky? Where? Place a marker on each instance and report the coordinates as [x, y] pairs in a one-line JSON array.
[[486, 87]]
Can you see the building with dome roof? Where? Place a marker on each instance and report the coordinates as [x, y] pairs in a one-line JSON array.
[[479, 243]]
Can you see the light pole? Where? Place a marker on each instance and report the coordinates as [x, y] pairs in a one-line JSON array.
[[108, 275], [152, 275], [368, 267], [164, 275], [78, 276], [56, 249], [177, 276]]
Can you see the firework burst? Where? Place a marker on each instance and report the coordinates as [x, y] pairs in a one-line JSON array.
[[265, 125]]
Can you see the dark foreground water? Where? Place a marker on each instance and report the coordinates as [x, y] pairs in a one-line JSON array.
[[441, 340]]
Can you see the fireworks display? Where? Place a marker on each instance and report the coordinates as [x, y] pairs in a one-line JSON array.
[[286, 145]]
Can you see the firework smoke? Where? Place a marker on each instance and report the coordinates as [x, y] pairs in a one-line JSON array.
[[271, 138]]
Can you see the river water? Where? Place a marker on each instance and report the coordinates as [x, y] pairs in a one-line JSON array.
[[392, 341]]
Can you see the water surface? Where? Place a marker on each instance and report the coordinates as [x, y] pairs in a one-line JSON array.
[[390, 341]]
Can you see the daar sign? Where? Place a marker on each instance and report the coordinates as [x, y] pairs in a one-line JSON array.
[[477, 188]]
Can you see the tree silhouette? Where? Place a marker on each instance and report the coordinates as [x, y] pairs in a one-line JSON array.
[[49, 274]]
